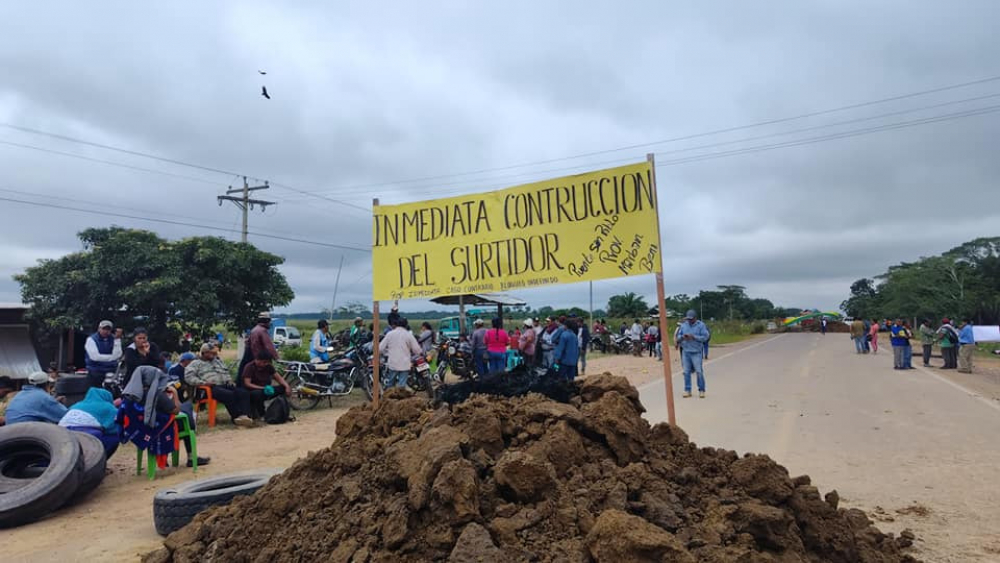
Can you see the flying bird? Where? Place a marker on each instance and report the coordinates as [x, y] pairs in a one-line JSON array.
[[261, 72], [263, 92]]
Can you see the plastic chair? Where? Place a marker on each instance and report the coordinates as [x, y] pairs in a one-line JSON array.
[[182, 429], [208, 400]]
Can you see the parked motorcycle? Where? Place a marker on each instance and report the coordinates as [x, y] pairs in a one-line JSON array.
[[419, 379], [451, 356], [336, 378]]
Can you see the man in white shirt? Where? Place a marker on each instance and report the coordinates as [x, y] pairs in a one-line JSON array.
[[400, 346]]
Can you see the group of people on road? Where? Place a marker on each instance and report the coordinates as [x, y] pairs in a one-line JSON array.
[[558, 345], [957, 345]]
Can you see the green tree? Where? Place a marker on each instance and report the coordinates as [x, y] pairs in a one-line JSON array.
[[863, 300], [627, 305], [134, 277]]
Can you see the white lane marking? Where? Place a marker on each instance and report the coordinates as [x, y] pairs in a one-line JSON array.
[[992, 404], [712, 360]]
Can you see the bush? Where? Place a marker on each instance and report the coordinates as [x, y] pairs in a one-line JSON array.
[[758, 327], [294, 353]]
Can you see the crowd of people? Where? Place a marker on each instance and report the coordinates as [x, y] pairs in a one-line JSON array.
[[957, 345]]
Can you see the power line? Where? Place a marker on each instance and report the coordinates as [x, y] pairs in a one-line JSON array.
[[680, 138], [181, 223]]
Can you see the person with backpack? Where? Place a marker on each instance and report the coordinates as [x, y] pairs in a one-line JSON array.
[[947, 338], [264, 382]]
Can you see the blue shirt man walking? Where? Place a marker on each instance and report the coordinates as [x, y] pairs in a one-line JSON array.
[[691, 337]]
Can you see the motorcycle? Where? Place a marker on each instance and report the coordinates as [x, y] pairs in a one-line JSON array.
[[419, 379], [451, 355], [620, 344], [311, 382]]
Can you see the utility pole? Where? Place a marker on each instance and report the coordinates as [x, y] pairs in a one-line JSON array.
[[244, 202], [333, 305]]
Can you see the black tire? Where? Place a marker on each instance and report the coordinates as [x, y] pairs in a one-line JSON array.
[[175, 507], [54, 486], [72, 384], [19, 468], [94, 464], [298, 400]]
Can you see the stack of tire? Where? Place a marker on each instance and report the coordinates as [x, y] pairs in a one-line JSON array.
[[43, 468]]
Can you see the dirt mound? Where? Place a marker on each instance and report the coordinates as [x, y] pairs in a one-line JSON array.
[[528, 479]]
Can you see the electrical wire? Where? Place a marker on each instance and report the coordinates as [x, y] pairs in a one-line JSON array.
[[184, 224]]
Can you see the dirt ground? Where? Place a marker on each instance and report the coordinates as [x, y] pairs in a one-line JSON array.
[[115, 523]]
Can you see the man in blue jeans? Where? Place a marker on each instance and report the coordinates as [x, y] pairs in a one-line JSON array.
[[691, 337]]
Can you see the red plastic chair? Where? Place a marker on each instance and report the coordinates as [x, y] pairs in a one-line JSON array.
[[208, 400]]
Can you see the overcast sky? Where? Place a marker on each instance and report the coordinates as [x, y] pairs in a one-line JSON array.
[[372, 97]]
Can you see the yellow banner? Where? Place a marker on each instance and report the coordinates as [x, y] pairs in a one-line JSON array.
[[585, 227]]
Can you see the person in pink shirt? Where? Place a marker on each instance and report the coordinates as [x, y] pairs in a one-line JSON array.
[[497, 342], [873, 335]]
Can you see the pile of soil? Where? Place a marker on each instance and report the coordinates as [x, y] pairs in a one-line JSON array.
[[528, 479]]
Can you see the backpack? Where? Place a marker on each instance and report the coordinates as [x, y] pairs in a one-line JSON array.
[[277, 411]]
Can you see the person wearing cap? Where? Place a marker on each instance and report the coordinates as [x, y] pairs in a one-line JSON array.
[[102, 353], [259, 340], [34, 404], [176, 371], [526, 343], [7, 393], [319, 343], [211, 371], [357, 332], [691, 337], [947, 338]]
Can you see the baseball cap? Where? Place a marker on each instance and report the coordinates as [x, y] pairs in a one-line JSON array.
[[691, 314], [264, 315], [527, 322], [478, 322], [206, 347], [38, 378], [186, 356], [945, 320], [106, 323]]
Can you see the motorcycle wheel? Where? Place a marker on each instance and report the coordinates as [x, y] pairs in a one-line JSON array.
[[298, 400], [441, 372]]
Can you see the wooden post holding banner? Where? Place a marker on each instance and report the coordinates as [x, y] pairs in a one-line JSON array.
[[662, 307], [376, 356]]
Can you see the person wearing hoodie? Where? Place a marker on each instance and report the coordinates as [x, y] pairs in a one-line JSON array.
[[95, 415]]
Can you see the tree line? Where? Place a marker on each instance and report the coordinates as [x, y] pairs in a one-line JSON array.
[[725, 302], [135, 278], [963, 282]]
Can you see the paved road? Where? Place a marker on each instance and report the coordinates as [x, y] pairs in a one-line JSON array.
[[881, 437]]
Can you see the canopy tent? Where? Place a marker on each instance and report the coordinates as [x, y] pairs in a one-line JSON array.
[[817, 315], [986, 333], [478, 299]]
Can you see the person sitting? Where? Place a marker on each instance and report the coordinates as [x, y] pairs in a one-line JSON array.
[[211, 371], [141, 352], [319, 343], [176, 371], [34, 404], [148, 391], [259, 378], [95, 415], [7, 392]]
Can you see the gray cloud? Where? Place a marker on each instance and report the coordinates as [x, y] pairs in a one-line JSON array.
[[370, 94]]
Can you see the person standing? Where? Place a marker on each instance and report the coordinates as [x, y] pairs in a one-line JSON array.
[[858, 335], [479, 354], [566, 353], [927, 338], [526, 344], [400, 346], [948, 341], [426, 338], [691, 337], [357, 330], [868, 328], [636, 334], [548, 343], [907, 335], [141, 352], [583, 341], [873, 336], [897, 341], [497, 342], [102, 353], [967, 346], [822, 326], [652, 335]]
